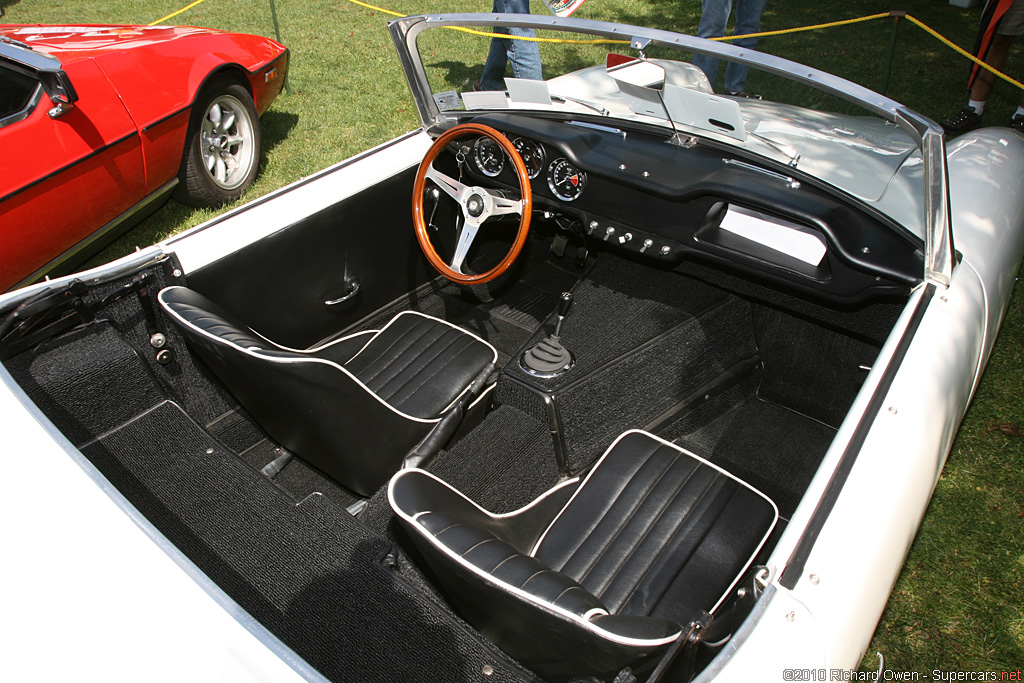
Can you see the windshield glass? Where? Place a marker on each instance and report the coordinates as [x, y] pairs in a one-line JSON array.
[[820, 132]]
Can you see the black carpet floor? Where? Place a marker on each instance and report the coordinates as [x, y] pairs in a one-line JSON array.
[[770, 447], [311, 573]]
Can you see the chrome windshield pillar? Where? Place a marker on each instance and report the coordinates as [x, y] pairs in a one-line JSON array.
[[938, 236]]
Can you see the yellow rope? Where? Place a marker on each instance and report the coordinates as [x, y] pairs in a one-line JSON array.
[[965, 53], [491, 34], [174, 14], [831, 24], [378, 9], [608, 41]]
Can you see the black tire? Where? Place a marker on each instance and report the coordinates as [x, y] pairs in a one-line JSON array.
[[223, 147]]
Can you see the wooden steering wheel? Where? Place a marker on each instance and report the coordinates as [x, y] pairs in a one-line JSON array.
[[477, 204]]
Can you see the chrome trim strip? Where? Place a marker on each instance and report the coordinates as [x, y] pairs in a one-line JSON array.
[[788, 180]]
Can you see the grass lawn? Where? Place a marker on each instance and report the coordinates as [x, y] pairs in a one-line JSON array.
[[957, 604]]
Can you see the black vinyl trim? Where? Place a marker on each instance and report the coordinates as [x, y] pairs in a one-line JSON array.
[[798, 559], [90, 155]]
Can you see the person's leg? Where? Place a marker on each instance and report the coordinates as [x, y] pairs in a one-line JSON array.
[[748, 20], [997, 57], [524, 55], [494, 68], [714, 15]]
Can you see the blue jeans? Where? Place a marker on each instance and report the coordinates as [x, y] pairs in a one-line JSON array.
[[523, 55], [714, 16]]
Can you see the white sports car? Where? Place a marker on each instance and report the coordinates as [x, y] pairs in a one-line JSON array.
[[596, 377]]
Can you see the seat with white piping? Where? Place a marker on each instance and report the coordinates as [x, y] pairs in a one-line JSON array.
[[594, 575], [357, 407]]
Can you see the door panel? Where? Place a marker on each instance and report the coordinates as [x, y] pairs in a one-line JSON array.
[[278, 284]]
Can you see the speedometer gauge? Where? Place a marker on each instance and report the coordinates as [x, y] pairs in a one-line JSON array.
[[489, 156], [565, 180], [532, 154]]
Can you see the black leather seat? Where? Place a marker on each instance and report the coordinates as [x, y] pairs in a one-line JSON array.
[[357, 407], [594, 575]]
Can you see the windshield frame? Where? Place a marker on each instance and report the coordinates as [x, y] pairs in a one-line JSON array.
[[926, 134]]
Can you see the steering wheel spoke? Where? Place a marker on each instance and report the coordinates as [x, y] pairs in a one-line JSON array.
[[463, 241], [450, 186], [476, 206], [501, 205]]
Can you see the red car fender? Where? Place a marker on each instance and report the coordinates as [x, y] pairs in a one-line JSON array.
[[159, 93]]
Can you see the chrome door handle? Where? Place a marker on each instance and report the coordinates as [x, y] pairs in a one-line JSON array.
[[353, 285]]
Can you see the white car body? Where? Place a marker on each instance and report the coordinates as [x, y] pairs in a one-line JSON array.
[[827, 578]]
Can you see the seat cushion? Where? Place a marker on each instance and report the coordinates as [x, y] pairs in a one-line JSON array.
[[488, 553], [420, 365], [657, 531]]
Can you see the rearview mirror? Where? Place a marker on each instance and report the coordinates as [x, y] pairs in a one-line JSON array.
[[635, 72], [46, 68], [58, 87]]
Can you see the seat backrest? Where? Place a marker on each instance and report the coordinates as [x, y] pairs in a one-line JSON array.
[[655, 530], [312, 406], [609, 571], [541, 617]]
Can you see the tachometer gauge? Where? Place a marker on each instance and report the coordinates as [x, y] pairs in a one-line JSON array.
[[565, 180], [532, 154], [489, 156]]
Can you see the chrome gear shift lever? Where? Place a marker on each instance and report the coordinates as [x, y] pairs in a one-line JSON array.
[[564, 304], [548, 358]]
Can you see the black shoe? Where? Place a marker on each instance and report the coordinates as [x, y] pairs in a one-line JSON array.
[[963, 122], [744, 93], [1017, 122]]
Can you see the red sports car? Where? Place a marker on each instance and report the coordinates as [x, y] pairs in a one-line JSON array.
[[100, 124]]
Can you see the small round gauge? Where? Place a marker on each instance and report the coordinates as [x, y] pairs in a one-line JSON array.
[[489, 156], [565, 180], [532, 154]]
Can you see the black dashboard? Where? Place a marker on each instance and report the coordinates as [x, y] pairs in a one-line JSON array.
[[635, 192]]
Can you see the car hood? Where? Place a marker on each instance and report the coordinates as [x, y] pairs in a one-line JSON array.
[[70, 43]]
